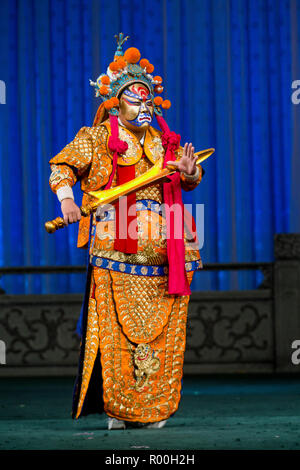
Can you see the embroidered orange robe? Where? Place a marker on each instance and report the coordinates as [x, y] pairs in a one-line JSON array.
[[138, 327]]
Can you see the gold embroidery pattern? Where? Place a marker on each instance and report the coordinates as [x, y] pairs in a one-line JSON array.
[[192, 255], [146, 364], [153, 146], [147, 257], [175, 347], [134, 151], [87, 153], [190, 185], [77, 153], [143, 305], [59, 174], [154, 191], [147, 241], [160, 398], [101, 167], [120, 397], [111, 343], [90, 353], [152, 242], [88, 149]]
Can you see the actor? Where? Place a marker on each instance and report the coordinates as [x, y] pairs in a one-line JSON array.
[[135, 310]]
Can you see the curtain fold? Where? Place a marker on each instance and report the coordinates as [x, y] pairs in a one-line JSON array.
[[227, 66]]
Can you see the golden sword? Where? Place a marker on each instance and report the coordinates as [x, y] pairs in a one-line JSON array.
[[154, 175]]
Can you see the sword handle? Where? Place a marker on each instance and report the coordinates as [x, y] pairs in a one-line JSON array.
[[52, 225]]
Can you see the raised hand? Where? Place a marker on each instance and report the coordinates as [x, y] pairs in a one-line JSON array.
[[187, 162]]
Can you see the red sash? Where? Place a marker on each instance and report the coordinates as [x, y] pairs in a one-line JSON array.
[[126, 221]]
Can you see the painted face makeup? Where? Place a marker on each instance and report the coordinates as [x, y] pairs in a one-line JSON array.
[[136, 105]]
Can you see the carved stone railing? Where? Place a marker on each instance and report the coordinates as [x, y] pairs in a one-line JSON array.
[[39, 333], [227, 331]]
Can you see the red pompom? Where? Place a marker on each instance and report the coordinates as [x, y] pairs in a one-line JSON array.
[[158, 89]]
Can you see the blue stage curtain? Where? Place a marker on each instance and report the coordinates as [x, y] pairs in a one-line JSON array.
[[228, 68]]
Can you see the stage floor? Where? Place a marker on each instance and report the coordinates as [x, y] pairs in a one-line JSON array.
[[240, 412]]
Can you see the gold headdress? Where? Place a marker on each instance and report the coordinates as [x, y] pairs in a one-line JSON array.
[[127, 68]]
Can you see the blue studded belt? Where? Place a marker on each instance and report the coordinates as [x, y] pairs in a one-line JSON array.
[[139, 269]]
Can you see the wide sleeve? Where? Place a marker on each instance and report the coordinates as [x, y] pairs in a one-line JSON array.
[[188, 183], [72, 162]]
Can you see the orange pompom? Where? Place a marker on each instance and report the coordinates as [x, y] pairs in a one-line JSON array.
[[111, 103], [166, 104], [103, 90], [132, 55], [158, 89], [121, 63], [107, 104], [105, 80], [149, 68], [158, 100], [144, 63], [114, 67], [158, 79], [114, 101]]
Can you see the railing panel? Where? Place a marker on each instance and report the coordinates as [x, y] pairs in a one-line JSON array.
[[227, 331], [230, 331], [39, 333]]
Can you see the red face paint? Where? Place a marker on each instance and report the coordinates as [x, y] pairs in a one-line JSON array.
[[141, 91]]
